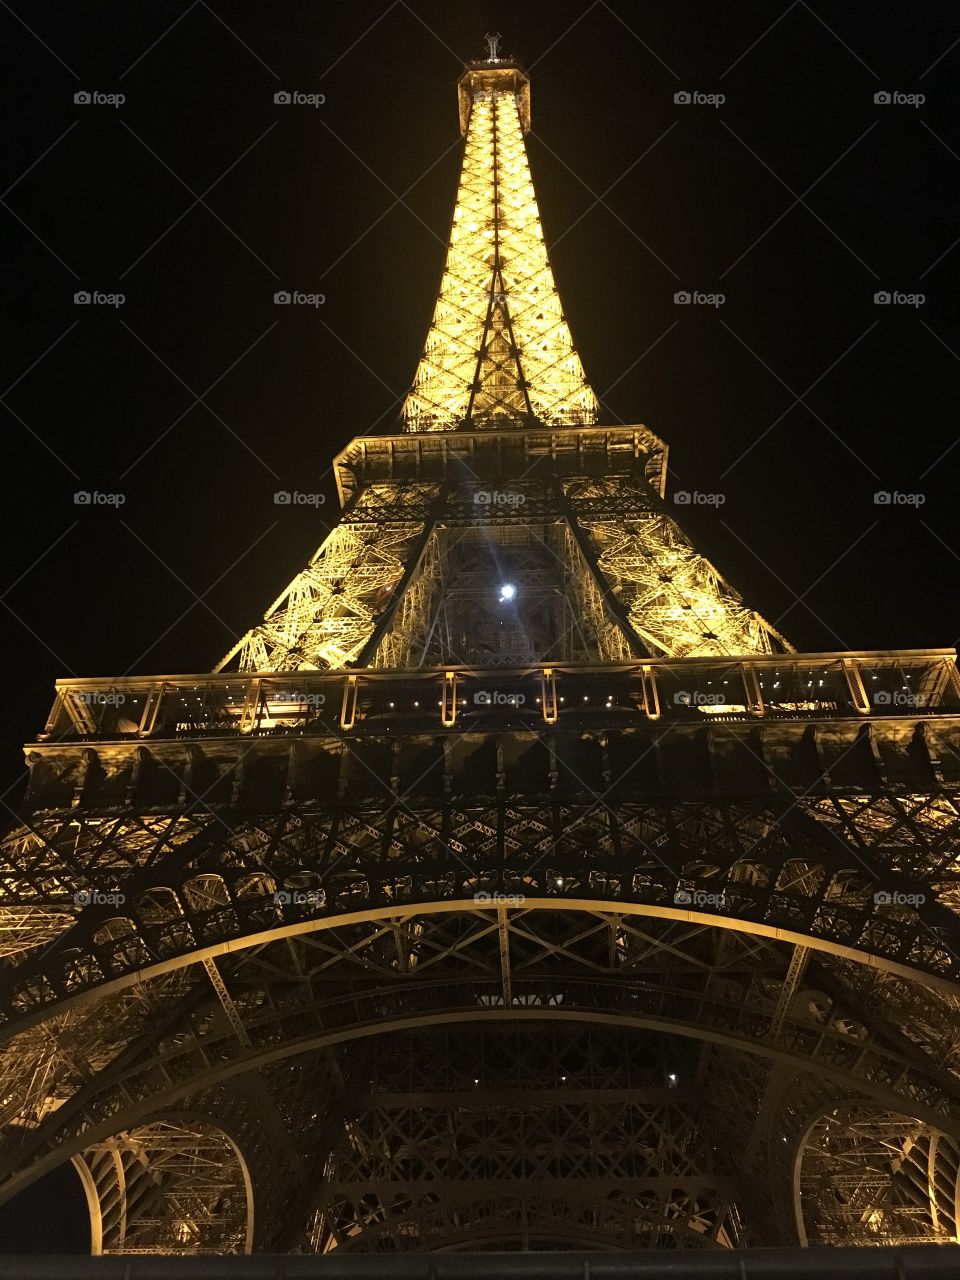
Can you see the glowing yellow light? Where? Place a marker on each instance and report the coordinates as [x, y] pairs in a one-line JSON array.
[[498, 354], [499, 350]]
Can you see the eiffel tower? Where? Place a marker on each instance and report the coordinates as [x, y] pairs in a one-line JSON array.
[[513, 884]]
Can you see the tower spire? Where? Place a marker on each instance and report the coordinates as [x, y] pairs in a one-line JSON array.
[[498, 351]]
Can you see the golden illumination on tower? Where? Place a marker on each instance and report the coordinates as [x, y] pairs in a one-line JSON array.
[[386, 587], [499, 351]]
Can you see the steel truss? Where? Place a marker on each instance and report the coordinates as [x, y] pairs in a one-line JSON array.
[[510, 1137], [498, 349], [248, 942], [325, 616], [290, 997], [881, 1177], [446, 916], [607, 549], [167, 1179]]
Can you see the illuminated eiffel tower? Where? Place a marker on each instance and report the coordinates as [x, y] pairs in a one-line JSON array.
[[512, 884]]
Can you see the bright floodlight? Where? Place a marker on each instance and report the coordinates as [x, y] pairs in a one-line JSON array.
[[508, 591]]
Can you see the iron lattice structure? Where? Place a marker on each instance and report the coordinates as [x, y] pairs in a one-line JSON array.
[[499, 349], [513, 883]]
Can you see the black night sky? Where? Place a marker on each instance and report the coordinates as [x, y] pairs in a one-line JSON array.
[[798, 198]]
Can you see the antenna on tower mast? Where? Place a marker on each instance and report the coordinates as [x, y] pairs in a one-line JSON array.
[[493, 46]]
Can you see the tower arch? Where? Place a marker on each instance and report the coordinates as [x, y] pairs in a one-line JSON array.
[[175, 1185]]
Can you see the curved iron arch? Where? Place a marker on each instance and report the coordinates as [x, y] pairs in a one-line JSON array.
[[95, 1190], [91, 976], [918, 1096]]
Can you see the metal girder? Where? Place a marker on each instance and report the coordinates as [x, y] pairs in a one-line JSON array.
[[798, 962], [294, 1021], [172, 1187], [414, 562], [605, 588], [503, 933], [671, 600], [875, 1177], [499, 349], [229, 1008], [560, 1114], [777, 870], [326, 616], [535, 827]]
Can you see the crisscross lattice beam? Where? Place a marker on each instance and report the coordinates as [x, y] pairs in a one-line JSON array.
[[499, 350]]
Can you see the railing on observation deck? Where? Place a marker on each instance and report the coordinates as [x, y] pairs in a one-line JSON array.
[[912, 683]]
